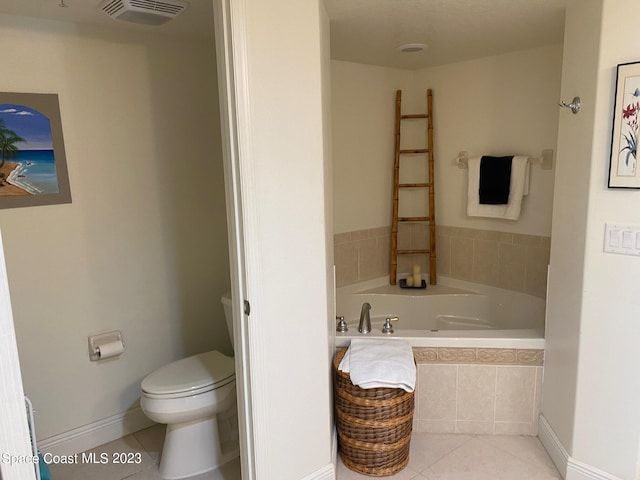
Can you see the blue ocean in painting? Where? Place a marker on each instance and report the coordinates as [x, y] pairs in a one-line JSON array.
[[36, 173]]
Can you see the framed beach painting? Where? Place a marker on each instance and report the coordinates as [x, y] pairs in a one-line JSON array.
[[33, 166], [623, 169]]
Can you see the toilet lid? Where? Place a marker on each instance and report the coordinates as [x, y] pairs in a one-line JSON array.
[[192, 373]]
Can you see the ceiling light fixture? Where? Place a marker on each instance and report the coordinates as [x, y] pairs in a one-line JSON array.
[[412, 47], [62, 4]]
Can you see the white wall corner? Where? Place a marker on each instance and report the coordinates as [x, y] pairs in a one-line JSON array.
[[96, 433], [328, 472], [569, 467]]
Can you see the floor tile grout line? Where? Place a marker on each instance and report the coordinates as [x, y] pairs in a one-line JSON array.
[[449, 452], [523, 460]]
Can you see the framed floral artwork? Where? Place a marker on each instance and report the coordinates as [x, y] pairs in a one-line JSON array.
[[33, 165], [624, 171]]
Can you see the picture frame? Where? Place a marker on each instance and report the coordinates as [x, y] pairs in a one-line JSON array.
[[624, 170], [33, 164]]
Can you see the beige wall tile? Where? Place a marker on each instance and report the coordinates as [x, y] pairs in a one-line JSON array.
[[367, 259], [437, 400], [533, 240], [474, 428], [456, 355], [443, 230], [341, 238], [359, 235], [456, 231], [464, 253], [476, 393], [462, 258], [505, 356], [515, 391], [346, 259], [404, 236], [425, 354], [443, 254], [380, 232], [485, 261], [419, 236], [537, 260], [383, 246], [511, 270], [530, 357]]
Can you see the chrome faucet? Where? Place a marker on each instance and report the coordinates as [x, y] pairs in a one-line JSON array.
[[365, 318]]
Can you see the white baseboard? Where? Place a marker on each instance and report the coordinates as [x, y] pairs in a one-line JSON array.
[[569, 467], [97, 433], [328, 472], [553, 446]]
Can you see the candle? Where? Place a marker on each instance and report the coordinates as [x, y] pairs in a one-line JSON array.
[[409, 280], [417, 277]]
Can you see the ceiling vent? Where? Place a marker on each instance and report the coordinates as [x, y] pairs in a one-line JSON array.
[[146, 12]]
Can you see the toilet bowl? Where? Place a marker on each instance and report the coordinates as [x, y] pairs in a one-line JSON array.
[[191, 396]]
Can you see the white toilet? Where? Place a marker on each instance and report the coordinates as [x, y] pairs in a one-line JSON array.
[[191, 396]]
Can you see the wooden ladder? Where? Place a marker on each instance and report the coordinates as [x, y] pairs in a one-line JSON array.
[[429, 185]]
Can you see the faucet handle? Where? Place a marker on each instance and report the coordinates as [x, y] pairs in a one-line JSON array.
[[387, 328], [342, 325]]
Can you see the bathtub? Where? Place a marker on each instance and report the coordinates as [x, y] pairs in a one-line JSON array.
[[453, 313]]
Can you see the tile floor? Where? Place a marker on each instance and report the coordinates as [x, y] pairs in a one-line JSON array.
[[471, 457], [149, 444], [432, 457]]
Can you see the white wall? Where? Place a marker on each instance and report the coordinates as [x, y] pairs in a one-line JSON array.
[[565, 281], [500, 105], [607, 433], [281, 158], [592, 388], [496, 105], [362, 114], [143, 247]]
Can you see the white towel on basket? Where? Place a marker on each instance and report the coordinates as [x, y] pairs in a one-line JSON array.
[[519, 187], [384, 363]]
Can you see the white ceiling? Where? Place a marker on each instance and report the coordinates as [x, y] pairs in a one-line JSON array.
[[369, 31]]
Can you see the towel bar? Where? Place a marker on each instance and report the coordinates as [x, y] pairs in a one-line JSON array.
[[545, 161]]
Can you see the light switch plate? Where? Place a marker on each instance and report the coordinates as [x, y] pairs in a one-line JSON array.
[[622, 239]]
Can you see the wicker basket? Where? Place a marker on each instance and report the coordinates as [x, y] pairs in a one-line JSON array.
[[374, 425]]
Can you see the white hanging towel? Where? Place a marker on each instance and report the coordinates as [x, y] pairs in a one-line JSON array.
[[518, 187], [380, 363]]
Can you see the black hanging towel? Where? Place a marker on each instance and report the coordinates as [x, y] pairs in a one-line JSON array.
[[495, 180]]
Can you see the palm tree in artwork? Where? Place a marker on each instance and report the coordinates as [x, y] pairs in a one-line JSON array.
[[8, 140]]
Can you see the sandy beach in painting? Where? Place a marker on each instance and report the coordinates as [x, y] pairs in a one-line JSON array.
[[6, 189]]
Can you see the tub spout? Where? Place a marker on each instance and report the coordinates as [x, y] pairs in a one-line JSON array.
[[365, 318]]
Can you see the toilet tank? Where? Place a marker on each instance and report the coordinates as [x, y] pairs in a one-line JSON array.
[[228, 313]]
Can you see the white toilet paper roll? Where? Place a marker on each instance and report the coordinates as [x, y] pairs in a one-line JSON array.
[[110, 349]]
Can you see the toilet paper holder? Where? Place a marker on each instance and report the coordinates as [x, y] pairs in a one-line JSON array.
[[105, 345]]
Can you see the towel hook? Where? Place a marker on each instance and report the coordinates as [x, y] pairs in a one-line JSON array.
[[575, 105]]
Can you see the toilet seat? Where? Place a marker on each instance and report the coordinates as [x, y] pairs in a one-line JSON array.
[[190, 376]]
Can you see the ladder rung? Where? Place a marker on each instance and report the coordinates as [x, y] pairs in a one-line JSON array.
[[418, 115], [413, 219], [414, 185], [420, 150], [411, 252]]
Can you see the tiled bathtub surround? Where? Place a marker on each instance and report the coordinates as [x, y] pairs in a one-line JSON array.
[[361, 255], [478, 390], [498, 259]]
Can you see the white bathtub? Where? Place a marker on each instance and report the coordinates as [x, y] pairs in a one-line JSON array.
[[453, 313]]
